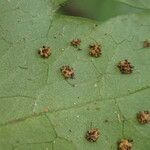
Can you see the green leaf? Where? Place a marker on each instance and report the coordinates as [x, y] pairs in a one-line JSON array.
[[101, 9], [137, 3], [43, 111]]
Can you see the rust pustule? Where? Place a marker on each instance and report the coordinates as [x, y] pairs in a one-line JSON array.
[[146, 44], [45, 52], [143, 117], [95, 50], [125, 144], [92, 135], [75, 42], [125, 67], [67, 71]]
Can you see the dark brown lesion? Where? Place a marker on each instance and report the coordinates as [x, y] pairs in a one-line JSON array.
[[95, 50], [125, 144], [67, 72], [125, 67], [75, 43], [45, 52], [92, 135], [143, 117], [146, 44]]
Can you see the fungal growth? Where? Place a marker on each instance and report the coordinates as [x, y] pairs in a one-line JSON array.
[[67, 72], [125, 145], [95, 50], [143, 117], [92, 135], [125, 67], [45, 52], [146, 44], [75, 43]]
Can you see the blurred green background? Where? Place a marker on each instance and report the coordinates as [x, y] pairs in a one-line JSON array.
[[100, 10]]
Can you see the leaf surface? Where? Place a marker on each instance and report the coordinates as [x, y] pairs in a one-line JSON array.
[[42, 110], [145, 4]]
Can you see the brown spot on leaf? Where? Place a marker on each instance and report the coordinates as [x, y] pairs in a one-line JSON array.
[[76, 42], [67, 71], [46, 109], [146, 44], [125, 67], [143, 117], [92, 135], [125, 144], [106, 121], [45, 52], [95, 50]]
